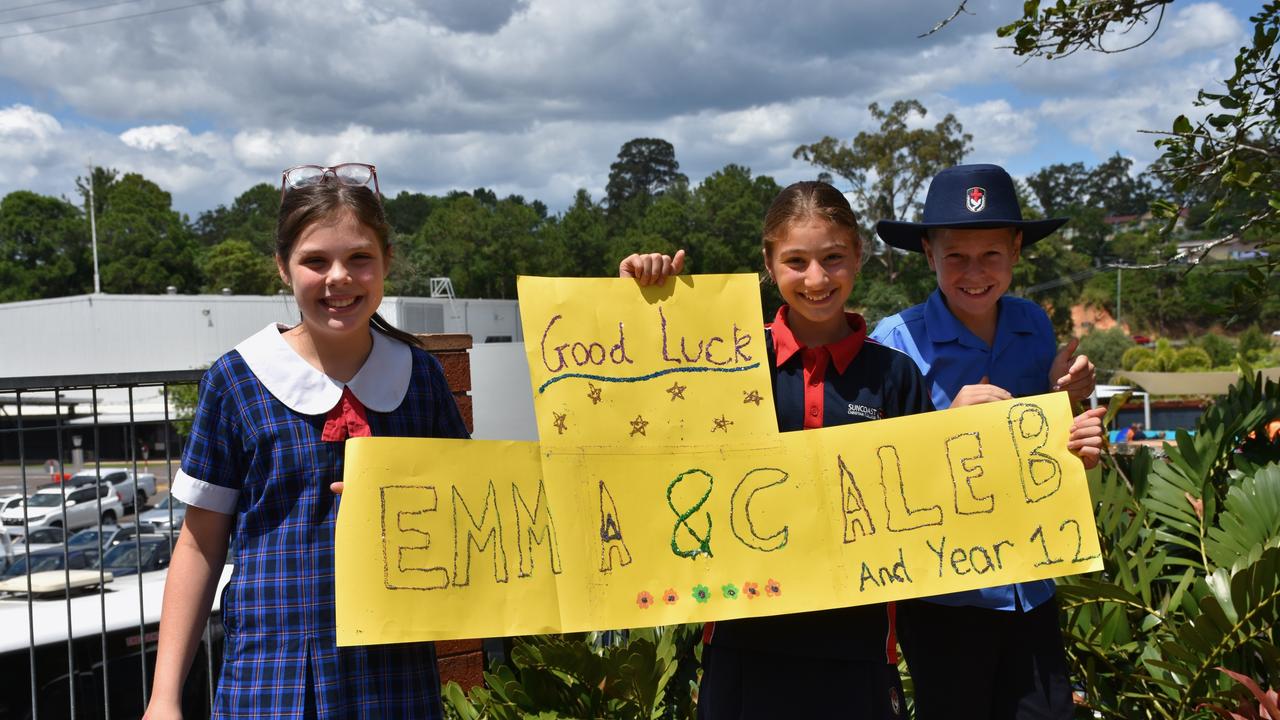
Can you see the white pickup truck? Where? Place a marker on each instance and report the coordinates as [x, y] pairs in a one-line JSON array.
[[122, 480]]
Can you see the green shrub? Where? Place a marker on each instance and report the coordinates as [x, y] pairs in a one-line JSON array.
[[1106, 348], [1254, 344], [1221, 350], [1134, 355], [1191, 578], [1190, 359], [650, 675]]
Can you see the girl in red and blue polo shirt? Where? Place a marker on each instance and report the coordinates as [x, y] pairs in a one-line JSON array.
[[831, 663]]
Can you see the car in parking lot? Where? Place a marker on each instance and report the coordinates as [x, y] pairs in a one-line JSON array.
[[46, 508], [10, 501], [123, 558], [159, 515], [131, 497], [107, 536], [52, 559], [40, 538]]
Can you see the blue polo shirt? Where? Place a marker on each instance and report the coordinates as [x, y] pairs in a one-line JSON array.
[[950, 356]]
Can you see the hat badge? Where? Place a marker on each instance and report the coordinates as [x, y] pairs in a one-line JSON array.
[[975, 199]]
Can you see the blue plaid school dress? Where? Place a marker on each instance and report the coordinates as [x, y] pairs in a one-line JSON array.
[[256, 451]]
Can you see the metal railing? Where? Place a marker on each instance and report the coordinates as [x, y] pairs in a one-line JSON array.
[[78, 668]]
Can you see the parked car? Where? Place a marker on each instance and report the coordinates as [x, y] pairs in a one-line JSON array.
[[41, 539], [123, 558], [108, 536], [52, 559], [45, 508], [159, 515], [10, 501], [122, 481]]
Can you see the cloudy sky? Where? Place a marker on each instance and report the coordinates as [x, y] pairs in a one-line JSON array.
[[536, 96]]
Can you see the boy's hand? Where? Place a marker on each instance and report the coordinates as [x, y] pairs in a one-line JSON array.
[[651, 268], [983, 392], [1075, 375], [1085, 441], [336, 487]]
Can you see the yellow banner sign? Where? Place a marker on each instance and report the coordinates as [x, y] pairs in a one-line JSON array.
[[441, 539], [617, 367]]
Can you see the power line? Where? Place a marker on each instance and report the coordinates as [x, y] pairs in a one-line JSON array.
[[110, 20], [32, 5], [68, 12]]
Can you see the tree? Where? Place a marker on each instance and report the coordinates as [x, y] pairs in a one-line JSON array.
[[481, 244], [577, 243], [239, 266], [888, 169], [102, 179], [1111, 186], [1060, 187], [727, 211], [644, 170], [1231, 155], [44, 248], [408, 211], [251, 219], [144, 246]]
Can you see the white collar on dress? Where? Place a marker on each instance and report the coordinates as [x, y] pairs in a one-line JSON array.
[[380, 385]]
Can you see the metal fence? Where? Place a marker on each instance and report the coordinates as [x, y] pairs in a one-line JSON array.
[[83, 639]]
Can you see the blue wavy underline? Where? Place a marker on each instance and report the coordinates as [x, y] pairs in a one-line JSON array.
[[640, 378]]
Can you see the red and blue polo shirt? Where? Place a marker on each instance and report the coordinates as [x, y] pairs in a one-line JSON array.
[[852, 380]]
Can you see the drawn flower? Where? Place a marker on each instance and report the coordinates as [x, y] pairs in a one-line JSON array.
[[644, 600], [701, 593], [772, 588], [669, 596], [751, 590], [730, 591]]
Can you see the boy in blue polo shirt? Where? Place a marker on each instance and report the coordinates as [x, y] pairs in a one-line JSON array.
[[995, 652]]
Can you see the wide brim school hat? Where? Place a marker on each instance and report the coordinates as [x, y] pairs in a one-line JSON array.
[[967, 196]]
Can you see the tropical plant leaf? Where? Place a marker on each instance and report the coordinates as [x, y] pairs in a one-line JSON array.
[[1250, 518], [1224, 626]]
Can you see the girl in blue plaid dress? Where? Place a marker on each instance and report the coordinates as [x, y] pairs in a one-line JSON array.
[[263, 461]]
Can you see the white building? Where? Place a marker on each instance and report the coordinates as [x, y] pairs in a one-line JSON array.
[[108, 334], [141, 333]]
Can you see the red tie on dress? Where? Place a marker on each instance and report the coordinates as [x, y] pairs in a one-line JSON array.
[[346, 419]]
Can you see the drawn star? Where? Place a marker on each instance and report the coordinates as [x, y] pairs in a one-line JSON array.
[[560, 423], [638, 425], [721, 424], [751, 397], [593, 393], [677, 390]]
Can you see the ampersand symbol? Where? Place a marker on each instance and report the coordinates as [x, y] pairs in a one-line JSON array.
[[704, 541]]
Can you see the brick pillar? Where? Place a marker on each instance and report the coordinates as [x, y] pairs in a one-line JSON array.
[[459, 660]]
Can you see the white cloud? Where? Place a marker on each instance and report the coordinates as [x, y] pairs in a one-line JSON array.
[[21, 123], [536, 96]]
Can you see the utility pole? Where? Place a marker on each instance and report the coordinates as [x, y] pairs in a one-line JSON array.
[[93, 234], [1117, 296]]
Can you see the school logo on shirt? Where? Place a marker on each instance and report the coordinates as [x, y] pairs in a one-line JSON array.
[[863, 411], [975, 199]]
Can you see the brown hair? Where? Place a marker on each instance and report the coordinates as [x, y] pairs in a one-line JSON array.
[[806, 200], [323, 202]]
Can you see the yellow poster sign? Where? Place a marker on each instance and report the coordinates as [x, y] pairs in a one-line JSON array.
[[621, 368], [441, 539]]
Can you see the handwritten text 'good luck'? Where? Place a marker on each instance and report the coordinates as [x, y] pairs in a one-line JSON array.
[[560, 353]]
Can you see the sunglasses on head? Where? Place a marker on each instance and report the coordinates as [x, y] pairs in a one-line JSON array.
[[351, 174]]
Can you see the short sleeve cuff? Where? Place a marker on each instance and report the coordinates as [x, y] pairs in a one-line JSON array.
[[204, 495]]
